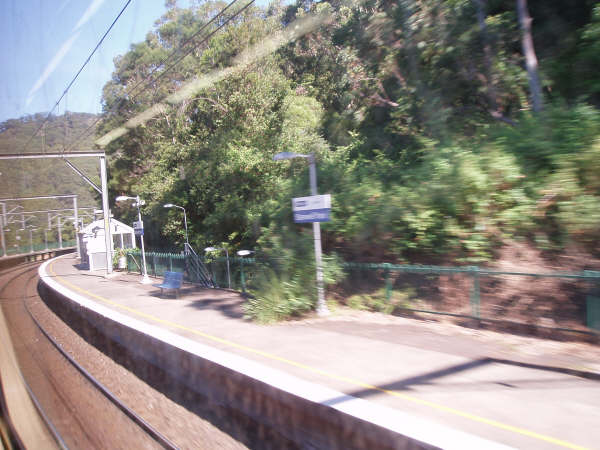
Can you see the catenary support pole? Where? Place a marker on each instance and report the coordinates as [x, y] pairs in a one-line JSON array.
[[2, 236], [76, 226], [107, 234], [59, 231]]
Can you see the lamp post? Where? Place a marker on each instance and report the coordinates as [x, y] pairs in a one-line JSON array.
[[138, 203], [322, 309], [212, 249], [243, 253], [187, 242]]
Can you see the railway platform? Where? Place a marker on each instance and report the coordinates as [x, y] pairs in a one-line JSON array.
[[443, 381]]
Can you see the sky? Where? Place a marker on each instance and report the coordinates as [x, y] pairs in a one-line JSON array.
[[43, 43]]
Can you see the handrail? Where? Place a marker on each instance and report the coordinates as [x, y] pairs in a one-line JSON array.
[[136, 263], [190, 248], [586, 274], [201, 272]]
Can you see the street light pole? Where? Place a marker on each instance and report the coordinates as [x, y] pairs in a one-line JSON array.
[[322, 309], [145, 279], [187, 242], [243, 253], [212, 249]]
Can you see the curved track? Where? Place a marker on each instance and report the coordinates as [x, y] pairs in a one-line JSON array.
[[79, 411]]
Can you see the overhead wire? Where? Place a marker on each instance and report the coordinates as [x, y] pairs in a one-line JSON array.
[[78, 72], [187, 41], [241, 61], [148, 80]]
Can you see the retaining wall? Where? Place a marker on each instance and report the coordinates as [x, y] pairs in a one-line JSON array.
[[260, 406]]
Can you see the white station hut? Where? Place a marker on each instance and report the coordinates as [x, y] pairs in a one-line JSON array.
[[92, 243]]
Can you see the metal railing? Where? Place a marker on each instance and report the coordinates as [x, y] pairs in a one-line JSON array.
[[197, 269], [37, 247], [420, 289], [211, 273], [410, 294]]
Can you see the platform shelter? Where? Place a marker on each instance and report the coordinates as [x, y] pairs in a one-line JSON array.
[[92, 242]]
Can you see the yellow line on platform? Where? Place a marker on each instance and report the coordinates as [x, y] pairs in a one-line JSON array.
[[439, 407]]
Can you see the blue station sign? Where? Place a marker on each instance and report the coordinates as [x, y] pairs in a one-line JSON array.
[[138, 228], [316, 208]]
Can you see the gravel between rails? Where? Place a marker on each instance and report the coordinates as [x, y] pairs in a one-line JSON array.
[[96, 422]]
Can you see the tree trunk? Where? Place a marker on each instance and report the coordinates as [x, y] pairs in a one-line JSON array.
[[487, 54], [529, 53]]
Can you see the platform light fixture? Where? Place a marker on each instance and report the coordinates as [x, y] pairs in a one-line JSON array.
[[214, 249], [187, 242]]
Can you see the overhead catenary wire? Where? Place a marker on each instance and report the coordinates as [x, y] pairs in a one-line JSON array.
[[185, 43], [268, 45], [148, 80], [77, 74]]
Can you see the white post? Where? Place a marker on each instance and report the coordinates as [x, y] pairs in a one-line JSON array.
[[76, 225], [107, 234], [228, 273], [2, 236], [322, 309], [145, 279], [59, 231], [186, 230]]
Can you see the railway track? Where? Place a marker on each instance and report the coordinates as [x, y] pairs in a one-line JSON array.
[[77, 410]]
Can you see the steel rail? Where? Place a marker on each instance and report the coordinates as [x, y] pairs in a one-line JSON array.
[[51, 428], [138, 420]]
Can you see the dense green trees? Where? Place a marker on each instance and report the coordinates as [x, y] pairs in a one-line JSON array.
[[420, 113]]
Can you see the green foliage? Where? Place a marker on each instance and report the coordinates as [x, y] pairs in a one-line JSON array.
[[378, 301], [277, 298], [400, 103]]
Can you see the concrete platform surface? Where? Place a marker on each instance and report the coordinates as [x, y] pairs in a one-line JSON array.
[[518, 391]]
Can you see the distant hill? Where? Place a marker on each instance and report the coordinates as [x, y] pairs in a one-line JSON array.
[[33, 177]]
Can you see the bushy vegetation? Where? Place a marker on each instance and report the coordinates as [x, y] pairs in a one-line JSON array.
[[421, 117]]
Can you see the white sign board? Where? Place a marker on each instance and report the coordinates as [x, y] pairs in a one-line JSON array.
[[315, 208]]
